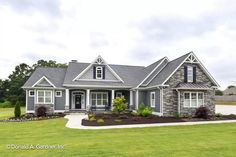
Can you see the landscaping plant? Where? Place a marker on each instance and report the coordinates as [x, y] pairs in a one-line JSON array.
[[119, 104], [202, 112], [41, 111], [144, 110], [17, 110]]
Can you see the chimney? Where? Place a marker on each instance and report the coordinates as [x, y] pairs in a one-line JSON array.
[[74, 61]]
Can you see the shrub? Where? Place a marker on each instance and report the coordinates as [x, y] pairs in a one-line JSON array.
[[41, 111], [202, 112], [2, 100], [118, 120], [6, 104], [119, 104], [17, 110], [100, 120], [92, 119], [144, 111], [218, 115], [90, 115], [177, 115]]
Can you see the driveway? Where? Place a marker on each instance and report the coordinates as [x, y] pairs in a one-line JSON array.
[[226, 109]]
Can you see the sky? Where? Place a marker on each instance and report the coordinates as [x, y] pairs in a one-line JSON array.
[[130, 32]]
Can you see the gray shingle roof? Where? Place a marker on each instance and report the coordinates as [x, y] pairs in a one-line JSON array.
[[54, 75], [131, 75], [167, 71]]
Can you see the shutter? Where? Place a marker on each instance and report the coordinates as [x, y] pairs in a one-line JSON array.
[[185, 74], [194, 75], [103, 72], [94, 72]]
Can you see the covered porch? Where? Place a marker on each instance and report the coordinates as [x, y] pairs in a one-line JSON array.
[[80, 100]]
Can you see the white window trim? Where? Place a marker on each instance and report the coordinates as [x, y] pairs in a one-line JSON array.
[[101, 98], [60, 95], [189, 68], [44, 102], [190, 98], [152, 104], [99, 68], [119, 93], [30, 94]]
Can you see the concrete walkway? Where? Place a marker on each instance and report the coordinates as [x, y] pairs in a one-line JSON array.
[[74, 121], [226, 109]]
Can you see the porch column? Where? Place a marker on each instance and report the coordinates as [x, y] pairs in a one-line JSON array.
[[130, 99], [67, 105], [112, 97], [136, 103], [87, 98]]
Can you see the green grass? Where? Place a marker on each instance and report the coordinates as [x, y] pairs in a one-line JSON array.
[[225, 103], [9, 112], [215, 140]]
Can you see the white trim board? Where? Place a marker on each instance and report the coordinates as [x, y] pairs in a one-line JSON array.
[[95, 62], [201, 65], [44, 77]]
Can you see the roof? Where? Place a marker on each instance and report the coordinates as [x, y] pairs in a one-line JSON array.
[[167, 71], [198, 86], [54, 75], [155, 74]]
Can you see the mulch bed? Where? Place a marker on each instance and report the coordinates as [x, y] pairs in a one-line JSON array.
[[32, 117], [112, 119]]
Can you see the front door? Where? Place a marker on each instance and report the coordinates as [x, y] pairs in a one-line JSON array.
[[78, 101]]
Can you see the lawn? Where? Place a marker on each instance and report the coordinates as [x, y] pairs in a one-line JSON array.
[[216, 140], [225, 103], [9, 112]]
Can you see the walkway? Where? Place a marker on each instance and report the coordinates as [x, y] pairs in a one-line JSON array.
[[74, 121], [226, 109]]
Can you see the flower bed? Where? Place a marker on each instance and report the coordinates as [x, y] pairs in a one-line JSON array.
[[124, 119], [31, 117]]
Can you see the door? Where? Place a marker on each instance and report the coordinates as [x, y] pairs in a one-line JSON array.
[[78, 101]]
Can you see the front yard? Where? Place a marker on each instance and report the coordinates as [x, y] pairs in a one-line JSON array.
[[9, 112], [216, 140]]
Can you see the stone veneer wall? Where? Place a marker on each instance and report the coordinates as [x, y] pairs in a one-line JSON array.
[[170, 95]]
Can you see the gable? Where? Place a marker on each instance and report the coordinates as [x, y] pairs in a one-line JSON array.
[[43, 82], [108, 74], [89, 74]]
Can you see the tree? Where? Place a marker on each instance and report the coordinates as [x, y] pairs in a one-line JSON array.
[[17, 110], [219, 92], [119, 104], [14, 92], [50, 63]]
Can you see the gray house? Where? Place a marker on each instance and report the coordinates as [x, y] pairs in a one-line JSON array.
[[169, 87]]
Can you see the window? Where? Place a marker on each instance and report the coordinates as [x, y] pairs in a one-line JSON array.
[[152, 99], [190, 74], [58, 93], [119, 94], [100, 99], [31, 93], [99, 72], [44, 96], [193, 99]]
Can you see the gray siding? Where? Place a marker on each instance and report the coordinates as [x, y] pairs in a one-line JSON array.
[[89, 74], [60, 101], [30, 101], [157, 100], [142, 97]]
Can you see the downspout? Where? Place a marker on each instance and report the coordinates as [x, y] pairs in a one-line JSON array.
[[178, 100]]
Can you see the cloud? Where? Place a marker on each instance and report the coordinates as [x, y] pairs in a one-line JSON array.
[[48, 7], [98, 39], [45, 41]]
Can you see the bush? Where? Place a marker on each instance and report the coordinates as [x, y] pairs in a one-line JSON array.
[[17, 110], [2, 100], [144, 111], [218, 115], [202, 112], [100, 120], [119, 104], [41, 111], [6, 104], [177, 115]]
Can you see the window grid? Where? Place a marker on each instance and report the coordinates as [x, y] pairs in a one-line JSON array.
[[44, 97], [99, 98], [193, 99], [152, 99]]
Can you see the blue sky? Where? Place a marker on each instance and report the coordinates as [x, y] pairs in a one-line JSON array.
[[122, 32]]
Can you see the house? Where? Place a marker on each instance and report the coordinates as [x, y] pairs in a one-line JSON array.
[[169, 87], [231, 90]]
